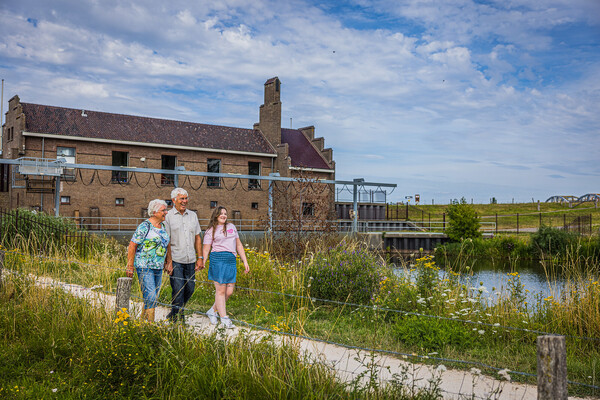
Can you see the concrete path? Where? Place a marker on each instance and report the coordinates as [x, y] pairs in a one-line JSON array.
[[348, 364]]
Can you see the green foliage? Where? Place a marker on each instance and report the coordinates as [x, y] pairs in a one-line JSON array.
[[432, 334], [551, 241], [463, 221], [341, 274]]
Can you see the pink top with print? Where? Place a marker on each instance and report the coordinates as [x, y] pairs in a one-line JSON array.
[[219, 241]]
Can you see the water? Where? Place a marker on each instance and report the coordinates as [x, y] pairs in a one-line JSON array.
[[494, 278]]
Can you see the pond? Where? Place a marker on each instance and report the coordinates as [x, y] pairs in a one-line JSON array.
[[493, 276]]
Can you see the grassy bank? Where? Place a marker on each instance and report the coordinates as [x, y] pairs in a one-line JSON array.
[[550, 214], [466, 322]]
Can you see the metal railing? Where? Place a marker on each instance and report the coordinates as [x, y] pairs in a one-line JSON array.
[[125, 224]]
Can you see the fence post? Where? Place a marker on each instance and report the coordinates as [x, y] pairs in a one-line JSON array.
[[496, 223], [1, 266], [123, 293], [551, 368], [540, 220], [517, 223], [565, 227], [444, 221]]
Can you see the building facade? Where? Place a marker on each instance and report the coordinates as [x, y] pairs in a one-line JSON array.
[[82, 136]]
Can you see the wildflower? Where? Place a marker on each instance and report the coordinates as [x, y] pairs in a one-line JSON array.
[[481, 331], [441, 368], [475, 371], [504, 374]]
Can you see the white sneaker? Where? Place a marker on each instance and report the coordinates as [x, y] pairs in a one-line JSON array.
[[212, 316], [226, 322]]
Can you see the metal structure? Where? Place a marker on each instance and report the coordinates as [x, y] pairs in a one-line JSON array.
[[561, 199], [29, 166]]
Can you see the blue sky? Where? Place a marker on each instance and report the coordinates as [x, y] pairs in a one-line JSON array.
[[447, 99]]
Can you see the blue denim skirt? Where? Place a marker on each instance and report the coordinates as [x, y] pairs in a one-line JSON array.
[[222, 267]]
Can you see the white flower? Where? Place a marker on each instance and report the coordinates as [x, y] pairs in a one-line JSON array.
[[497, 324], [481, 331], [441, 368], [54, 390], [96, 287], [504, 374], [475, 371], [51, 372]]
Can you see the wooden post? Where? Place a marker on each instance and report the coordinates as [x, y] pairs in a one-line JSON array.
[[551, 368], [496, 223], [517, 223], [1, 266], [123, 293]]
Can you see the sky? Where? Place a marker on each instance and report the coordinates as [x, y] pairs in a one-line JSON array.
[[445, 98]]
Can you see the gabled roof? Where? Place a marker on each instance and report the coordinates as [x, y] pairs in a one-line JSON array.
[[101, 125], [302, 152]]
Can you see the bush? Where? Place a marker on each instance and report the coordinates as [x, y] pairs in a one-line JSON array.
[[463, 221], [552, 241], [433, 334], [341, 274]]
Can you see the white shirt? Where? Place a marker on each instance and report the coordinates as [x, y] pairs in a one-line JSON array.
[[182, 229]]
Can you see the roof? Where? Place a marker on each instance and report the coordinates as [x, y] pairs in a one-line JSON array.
[[101, 125], [302, 152]]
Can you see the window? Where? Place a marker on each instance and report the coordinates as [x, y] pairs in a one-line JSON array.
[[308, 209], [119, 159], [213, 204], [119, 201], [65, 199], [4, 174], [10, 134], [255, 206], [167, 162], [253, 169], [68, 154], [213, 165]]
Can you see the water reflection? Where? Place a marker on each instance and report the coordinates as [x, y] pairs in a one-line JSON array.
[[493, 276]]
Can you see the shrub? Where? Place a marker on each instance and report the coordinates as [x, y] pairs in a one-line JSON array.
[[463, 221], [552, 241], [342, 274], [433, 334]]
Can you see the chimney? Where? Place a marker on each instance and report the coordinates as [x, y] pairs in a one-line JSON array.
[[270, 112]]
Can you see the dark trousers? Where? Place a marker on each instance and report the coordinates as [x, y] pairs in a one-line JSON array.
[[183, 283]]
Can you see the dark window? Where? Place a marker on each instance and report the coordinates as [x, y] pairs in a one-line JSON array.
[[65, 199], [213, 165], [68, 154], [119, 159], [119, 201], [255, 206], [253, 169], [4, 174], [213, 204], [169, 202], [308, 209], [167, 162]]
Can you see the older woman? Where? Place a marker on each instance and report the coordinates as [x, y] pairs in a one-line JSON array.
[[146, 252]]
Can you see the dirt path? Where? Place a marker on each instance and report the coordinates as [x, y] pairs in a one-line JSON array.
[[349, 364]]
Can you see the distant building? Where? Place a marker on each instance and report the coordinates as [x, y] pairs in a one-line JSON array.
[[89, 137]]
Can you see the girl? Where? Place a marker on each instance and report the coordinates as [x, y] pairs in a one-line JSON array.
[[221, 240]]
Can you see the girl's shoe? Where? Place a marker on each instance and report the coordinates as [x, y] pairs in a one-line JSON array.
[[212, 316], [226, 322]]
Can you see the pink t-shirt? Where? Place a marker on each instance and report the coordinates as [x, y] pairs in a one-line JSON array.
[[219, 241]]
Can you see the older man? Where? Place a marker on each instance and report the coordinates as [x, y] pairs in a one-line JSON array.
[[184, 254]]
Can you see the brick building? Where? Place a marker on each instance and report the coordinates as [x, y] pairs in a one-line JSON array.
[[82, 136]]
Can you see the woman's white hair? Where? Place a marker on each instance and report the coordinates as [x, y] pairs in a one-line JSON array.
[[154, 206], [177, 191]]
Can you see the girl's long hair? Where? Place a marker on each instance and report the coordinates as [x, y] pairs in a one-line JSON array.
[[214, 221]]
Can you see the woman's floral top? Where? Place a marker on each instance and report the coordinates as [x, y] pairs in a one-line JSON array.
[[152, 245]]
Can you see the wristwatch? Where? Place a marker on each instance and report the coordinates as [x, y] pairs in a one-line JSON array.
[[200, 258]]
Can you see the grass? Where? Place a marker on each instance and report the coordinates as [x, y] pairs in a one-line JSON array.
[[417, 287], [55, 346], [552, 214]]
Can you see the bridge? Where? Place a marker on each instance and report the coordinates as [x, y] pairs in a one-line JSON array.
[[574, 200]]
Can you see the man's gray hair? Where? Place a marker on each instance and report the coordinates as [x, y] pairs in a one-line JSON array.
[[155, 205], [177, 191]]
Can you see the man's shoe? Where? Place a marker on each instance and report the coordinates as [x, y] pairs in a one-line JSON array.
[[212, 316], [226, 322]]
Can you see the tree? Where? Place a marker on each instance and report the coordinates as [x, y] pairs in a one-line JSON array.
[[463, 222]]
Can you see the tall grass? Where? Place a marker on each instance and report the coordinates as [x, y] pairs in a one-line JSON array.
[[55, 346]]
